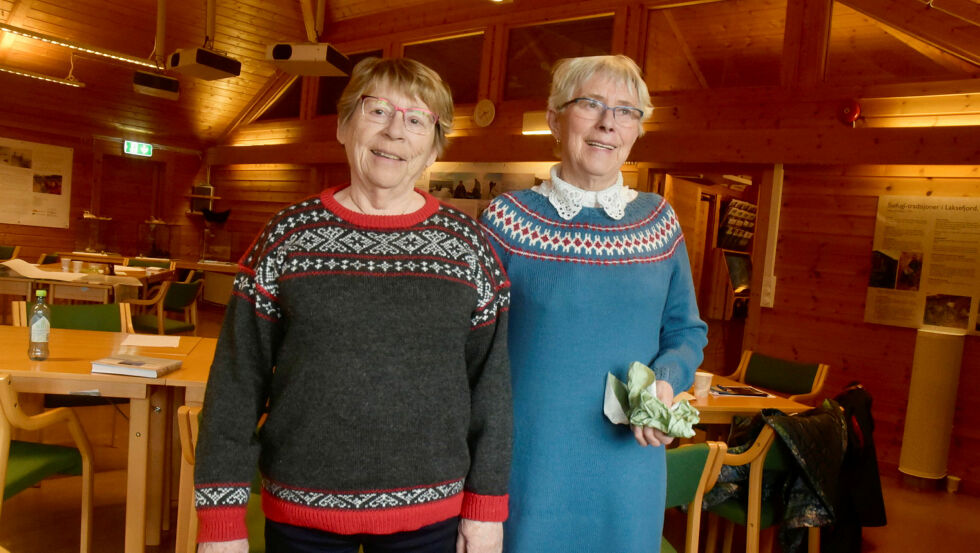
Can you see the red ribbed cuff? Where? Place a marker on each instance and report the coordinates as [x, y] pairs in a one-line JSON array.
[[487, 508], [221, 524]]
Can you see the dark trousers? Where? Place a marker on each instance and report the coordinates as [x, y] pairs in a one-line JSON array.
[[434, 538]]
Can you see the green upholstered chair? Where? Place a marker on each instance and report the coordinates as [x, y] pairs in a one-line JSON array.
[[25, 464], [767, 455], [8, 252], [150, 262], [47, 258], [802, 382], [107, 317], [188, 424], [691, 471], [171, 297]]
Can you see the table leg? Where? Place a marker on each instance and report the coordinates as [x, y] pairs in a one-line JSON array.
[[157, 472], [136, 473]]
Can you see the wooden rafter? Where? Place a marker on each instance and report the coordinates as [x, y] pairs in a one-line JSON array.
[[936, 55], [953, 34], [691, 61]]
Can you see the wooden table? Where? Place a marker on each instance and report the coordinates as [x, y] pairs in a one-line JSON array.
[[68, 370], [721, 409], [91, 286]]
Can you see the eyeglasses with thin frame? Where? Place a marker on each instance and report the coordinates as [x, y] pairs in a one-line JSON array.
[[593, 110], [381, 111]]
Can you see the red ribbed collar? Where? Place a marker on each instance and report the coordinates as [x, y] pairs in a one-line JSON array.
[[379, 221]]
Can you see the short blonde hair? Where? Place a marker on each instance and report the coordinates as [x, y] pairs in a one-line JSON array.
[[408, 76], [570, 74]]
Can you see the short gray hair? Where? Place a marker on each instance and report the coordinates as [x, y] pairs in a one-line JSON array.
[[570, 73]]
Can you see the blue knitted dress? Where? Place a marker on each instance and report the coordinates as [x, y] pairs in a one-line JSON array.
[[589, 296]]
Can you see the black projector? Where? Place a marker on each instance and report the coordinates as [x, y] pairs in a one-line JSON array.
[[204, 64], [153, 84]]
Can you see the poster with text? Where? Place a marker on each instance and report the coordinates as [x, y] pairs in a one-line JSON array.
[[35, 183], [925, 264]]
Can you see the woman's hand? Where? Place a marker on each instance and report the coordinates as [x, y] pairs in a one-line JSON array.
[[651, 436], [480, 537], [235, 546]]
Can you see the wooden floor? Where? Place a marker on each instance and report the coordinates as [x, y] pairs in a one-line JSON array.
[[45, 519]]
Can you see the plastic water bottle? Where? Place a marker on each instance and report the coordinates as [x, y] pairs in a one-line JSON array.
[[40, 324]]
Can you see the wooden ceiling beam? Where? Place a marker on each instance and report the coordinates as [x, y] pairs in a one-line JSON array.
[[937, 27], [950, 62], [806, 42], [927, 145]]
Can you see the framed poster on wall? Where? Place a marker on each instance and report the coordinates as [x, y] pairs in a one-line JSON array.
[[35, 183], [925, 264]]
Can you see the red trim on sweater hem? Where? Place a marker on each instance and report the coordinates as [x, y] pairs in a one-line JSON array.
[[367, 521]]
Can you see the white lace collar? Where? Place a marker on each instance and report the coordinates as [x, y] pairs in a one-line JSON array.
[[569, 199]]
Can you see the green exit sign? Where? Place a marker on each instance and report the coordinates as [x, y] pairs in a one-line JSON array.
[[138, 148]]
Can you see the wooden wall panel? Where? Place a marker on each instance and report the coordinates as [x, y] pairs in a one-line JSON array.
[[256, 192], [822, 265]]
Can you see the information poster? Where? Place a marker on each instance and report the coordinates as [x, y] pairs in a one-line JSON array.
[[925, 264], [35, 183]]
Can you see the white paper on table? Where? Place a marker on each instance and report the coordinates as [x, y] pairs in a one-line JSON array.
[[29, 270], [151, 340]]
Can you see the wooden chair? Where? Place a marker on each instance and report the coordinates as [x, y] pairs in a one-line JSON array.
[[47, 258], [188, 424], [803, 382], [158, 262], [172, 296], [765, 454], [107, 317], [691, 471], [9, 252], [25, 464]]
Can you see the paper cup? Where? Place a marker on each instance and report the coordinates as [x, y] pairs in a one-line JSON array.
[[65, 265], [702, 383], [76, 266]]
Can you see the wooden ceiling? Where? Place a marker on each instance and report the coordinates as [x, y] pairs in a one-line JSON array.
[[725, 43]]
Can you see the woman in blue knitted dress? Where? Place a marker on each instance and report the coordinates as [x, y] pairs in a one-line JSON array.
[[600, 278]]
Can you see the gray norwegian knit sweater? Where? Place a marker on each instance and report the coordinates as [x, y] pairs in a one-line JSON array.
[[379, 345]]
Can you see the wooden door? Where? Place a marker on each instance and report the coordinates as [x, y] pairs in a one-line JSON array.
[[129, 194]]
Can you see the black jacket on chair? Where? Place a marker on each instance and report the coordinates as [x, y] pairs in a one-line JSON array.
[[860, 502]]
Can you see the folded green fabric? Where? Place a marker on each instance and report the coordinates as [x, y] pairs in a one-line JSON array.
[[636, 403]]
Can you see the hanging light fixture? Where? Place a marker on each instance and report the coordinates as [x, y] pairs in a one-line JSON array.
[[78, 47], [70, 81]]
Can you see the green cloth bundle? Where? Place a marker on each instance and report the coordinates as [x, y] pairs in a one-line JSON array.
[[636, 403]]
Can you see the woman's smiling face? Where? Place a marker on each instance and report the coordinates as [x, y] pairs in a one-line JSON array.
[[386, 155], [593, 150]]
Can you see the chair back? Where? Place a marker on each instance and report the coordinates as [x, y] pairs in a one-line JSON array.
[[48, 258], [150, 262], [181, 295], [8, 252], [107, 317], [691, 471], [802, 382], [25, 464]]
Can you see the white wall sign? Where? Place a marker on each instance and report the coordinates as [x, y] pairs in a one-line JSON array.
[[35, 184], [925, 264]]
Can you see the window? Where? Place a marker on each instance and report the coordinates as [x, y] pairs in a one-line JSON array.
[[332, 87], [287, 106], [457, 60], [532, 52]]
